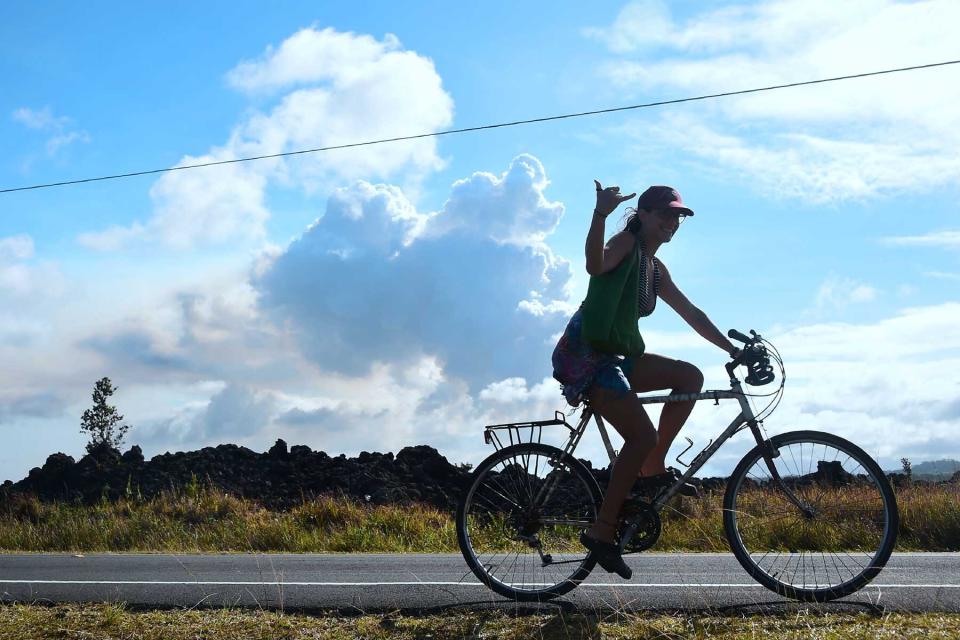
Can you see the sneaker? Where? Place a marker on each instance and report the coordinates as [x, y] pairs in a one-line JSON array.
[[607, 555]]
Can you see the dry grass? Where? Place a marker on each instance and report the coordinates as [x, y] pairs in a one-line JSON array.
[[206, 520], [198, 519], [114, 621]]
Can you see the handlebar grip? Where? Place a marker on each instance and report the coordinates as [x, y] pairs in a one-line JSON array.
[[736, 335]]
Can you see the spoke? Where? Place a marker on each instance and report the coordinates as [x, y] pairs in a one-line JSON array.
[[850, 571], [773, 571], [513, 471], [856, 561], [492, 570], [506, 473], [803, 579], [846, 528], [512, 570], [846, 505], [790, 449], [505, 498], [756, 522], [575, 523], [833, 556], [536, 468], [491, 512], [523, 478]]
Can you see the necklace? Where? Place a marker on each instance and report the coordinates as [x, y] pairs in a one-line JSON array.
[[644, 307]]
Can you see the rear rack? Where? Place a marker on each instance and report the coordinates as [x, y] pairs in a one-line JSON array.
[[522, 432]]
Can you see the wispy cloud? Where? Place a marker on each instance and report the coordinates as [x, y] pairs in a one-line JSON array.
[[942, 275], [18, 247], [41, 119], [942, 239], [825, 143], [20, 275], [44, 120], [838, 292]]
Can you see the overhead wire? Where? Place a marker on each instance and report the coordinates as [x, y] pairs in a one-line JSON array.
[[484, 127]]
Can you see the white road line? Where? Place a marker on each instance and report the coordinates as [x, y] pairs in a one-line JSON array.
[[446, 584]]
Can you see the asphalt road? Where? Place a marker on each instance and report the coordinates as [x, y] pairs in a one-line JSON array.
[[425, 583]]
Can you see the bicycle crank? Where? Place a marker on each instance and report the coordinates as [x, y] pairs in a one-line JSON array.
[[640, 527]]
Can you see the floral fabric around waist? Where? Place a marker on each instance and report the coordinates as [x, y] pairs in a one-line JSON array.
[[576, 364]]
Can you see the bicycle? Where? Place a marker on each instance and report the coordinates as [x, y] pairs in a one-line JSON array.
[[808, 514]]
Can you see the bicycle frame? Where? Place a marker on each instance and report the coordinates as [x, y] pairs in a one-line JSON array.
[[745, 417]]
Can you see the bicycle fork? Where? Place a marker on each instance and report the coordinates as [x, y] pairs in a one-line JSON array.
[[769, 453]]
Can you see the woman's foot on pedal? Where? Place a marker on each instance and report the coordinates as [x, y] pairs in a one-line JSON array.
[[607, 555], [652, 485]]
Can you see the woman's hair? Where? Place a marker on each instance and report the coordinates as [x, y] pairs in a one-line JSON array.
[[632, 220]]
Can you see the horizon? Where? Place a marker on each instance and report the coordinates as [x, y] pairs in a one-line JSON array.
[[455, 463], [411, 293]]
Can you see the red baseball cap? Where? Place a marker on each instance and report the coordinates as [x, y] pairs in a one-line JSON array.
[[662, 197]]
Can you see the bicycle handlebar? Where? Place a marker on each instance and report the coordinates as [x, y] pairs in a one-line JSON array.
[[754, 356]]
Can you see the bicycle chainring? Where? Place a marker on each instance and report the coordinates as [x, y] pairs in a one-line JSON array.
[[648, 525]]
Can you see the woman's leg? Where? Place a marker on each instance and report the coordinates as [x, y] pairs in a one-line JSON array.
[[651, 372], [629, 418]]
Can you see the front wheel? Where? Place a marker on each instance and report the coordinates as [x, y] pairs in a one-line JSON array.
[[814, 520], [519, 523]]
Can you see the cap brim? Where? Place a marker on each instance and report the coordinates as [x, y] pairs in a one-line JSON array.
[[677, 205]]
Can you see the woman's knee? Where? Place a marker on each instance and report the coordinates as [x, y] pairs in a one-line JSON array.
[[692, 378]]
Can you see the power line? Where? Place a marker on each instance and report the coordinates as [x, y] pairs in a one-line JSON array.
[[488, 126]]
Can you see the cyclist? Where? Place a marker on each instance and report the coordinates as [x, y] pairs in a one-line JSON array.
[[610, 380]]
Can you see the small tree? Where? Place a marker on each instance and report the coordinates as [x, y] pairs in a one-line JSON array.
[[907, 468], [102, 421]]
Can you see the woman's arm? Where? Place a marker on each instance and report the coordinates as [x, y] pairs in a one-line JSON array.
[[602, 258], [693, 316]]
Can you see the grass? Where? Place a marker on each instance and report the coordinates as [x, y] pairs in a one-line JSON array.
[[202, 519], [207, 520], [115, 621]]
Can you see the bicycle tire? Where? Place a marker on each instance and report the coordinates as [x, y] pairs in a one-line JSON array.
[[871, 534], [579, 497]]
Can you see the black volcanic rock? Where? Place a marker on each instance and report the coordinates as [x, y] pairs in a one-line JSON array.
[[283, 476], [279, 478]]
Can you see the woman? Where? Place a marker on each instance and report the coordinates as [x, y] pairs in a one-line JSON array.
[[611, 381]]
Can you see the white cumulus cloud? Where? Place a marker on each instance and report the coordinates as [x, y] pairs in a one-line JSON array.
[[357, 288], [510, 208], [340, 88], [380, 326], [344, 88]]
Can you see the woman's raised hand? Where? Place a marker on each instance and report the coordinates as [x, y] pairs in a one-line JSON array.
[[609, 199]]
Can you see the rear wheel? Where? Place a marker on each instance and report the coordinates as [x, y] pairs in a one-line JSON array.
[[518, 525], [821, 532]]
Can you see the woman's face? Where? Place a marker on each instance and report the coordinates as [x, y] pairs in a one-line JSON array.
[[663, 223]]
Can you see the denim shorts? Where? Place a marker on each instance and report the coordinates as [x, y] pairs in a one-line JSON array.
[[578, 366]]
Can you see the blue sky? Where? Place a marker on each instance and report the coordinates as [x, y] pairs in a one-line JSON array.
[[411, 293]]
